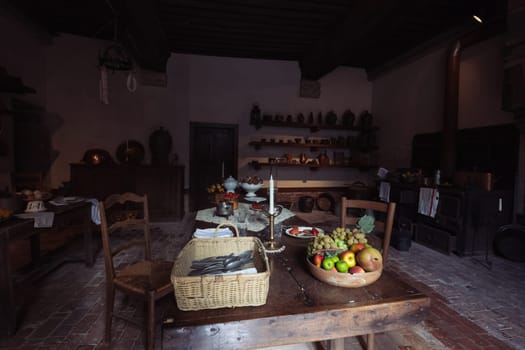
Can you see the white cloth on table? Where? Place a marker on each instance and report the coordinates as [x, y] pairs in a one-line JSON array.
[[42, 219], [95, 213], [428, 201], [384, 191], [256, 221]]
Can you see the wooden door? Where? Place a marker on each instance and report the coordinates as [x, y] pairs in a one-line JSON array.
[[213, 156]]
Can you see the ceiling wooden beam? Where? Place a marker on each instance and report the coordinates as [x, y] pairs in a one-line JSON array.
[[144, 35], [335, 49]]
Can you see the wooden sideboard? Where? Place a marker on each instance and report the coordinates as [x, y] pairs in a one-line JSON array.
[[164, 185]]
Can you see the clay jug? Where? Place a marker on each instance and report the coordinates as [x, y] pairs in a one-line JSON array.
[[302, 158], [160, 146], [323, 159]]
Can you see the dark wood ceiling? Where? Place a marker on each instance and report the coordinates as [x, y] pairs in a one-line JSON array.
[[319, 34]]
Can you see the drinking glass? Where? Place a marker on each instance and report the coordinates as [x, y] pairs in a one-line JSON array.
[[241, 217]]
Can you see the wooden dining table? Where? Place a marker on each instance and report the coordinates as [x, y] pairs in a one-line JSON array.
[[299, 308], [73, 215]]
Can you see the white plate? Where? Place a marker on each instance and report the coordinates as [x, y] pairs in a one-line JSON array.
[[304, 231], [210, 233], [73, 199], [255, 199]]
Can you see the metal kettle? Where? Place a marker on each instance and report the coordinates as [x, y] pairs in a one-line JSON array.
[[224, 208]]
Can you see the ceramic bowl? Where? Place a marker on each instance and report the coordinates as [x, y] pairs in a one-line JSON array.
[[346, 280], [251, 188]]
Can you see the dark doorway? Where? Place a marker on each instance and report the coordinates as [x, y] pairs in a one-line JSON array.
[[213, 155]]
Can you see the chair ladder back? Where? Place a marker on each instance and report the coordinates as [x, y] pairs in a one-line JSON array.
[[125, 222], [106, 246], [389, 224], [147, 279], [384, 226]]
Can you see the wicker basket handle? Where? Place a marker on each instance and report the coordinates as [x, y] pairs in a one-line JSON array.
[[228, 223]]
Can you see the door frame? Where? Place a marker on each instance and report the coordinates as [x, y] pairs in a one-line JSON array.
[[193, 127]]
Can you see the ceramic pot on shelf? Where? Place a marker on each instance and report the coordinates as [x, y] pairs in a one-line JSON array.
[[302, 158], [160, 143], [323, 159]]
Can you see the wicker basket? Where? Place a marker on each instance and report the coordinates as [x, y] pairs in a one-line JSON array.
[[213, 292]]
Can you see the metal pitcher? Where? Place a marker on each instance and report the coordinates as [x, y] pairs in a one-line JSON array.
[[224, 208]]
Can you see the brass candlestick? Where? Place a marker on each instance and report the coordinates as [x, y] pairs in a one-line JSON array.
[[272, 246]]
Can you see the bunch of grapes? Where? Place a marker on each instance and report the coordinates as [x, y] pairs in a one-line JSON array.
[[340, 238], [320, 242], [349, 236]]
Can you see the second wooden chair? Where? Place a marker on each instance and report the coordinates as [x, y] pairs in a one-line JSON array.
[[353, 209], [146, 279]]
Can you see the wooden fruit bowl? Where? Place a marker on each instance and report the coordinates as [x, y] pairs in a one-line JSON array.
[[346, 280]]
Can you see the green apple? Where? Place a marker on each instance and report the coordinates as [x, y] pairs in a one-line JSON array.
[[335, 258], [328, 264], [341, 266]]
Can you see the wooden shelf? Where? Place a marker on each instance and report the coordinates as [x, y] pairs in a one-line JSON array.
[[257, 165], [312, 127], [312, 146]]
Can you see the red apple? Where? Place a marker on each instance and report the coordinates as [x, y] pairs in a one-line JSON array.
[[318, 259], [357, 247], [356, 269], [349, 257]]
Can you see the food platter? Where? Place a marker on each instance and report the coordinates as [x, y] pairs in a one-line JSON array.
[[304, 232]]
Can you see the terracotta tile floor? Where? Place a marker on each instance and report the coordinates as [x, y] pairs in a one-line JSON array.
[[472, 307]]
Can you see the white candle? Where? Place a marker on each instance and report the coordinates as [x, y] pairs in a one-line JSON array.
[[500, 205], [271, 195]]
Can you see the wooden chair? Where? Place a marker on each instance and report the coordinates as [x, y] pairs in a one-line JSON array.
[[353, 209], [146, 279]]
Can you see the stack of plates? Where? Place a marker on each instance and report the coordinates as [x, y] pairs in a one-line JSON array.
[[212, 233]]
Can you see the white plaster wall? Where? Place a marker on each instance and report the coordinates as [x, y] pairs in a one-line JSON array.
[[200, 89], [218, 89], [73, 95], [409, 100], [481, 85]]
